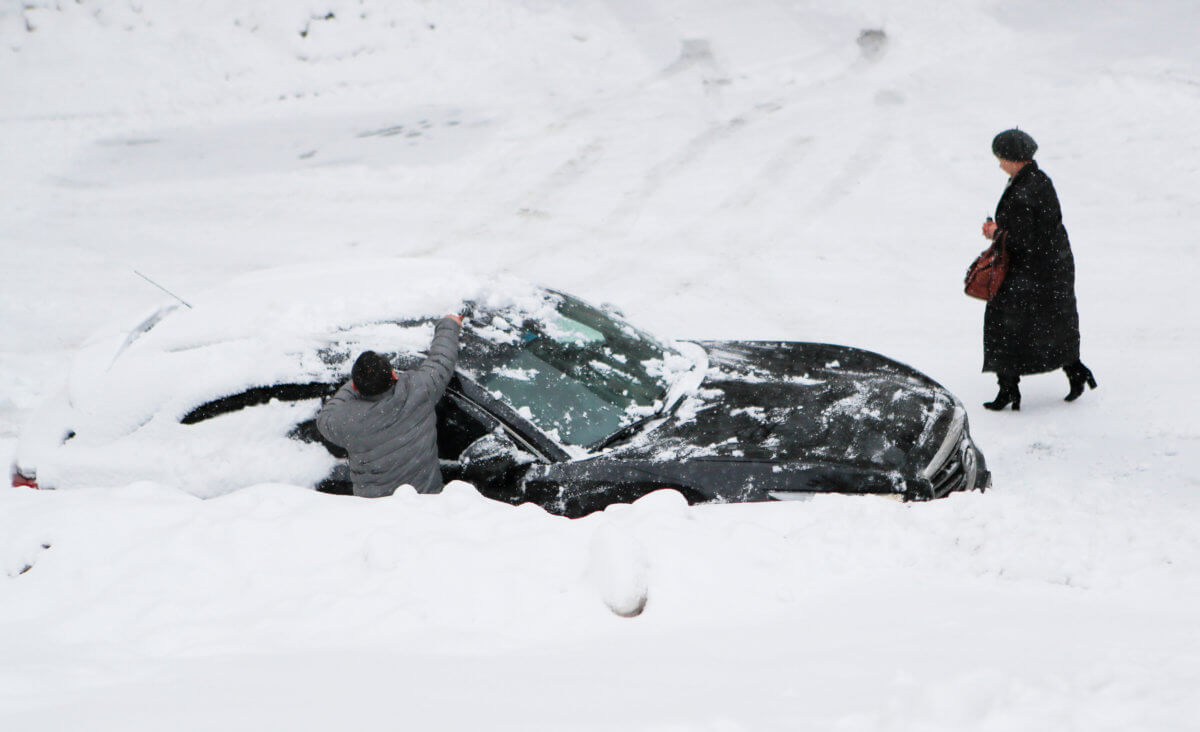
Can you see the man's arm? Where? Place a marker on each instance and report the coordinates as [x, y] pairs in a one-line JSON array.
[[431, 377], [328, 423]]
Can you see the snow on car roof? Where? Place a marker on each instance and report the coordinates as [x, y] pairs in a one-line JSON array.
[[267, 327]]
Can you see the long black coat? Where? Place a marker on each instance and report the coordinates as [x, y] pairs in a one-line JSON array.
[[1032, 325]]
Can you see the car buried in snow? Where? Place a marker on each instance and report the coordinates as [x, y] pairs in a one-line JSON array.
[[554, 401]]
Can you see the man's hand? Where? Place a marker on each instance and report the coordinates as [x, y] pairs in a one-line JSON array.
[[989, 229], [455, 318]]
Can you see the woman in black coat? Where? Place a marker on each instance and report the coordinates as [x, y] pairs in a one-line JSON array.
[[1031, 326]]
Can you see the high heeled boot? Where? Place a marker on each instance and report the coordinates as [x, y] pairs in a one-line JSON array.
[[1078, 375], [1009, 394]]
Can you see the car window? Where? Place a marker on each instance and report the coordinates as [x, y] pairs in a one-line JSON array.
[[560, 405], [257, 395], [572, 370], [460, 423]]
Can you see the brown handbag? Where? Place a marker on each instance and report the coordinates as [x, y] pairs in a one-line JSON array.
[[986, 273]]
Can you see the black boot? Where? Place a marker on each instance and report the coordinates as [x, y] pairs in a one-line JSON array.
[[1078, 375], [1009, 394]]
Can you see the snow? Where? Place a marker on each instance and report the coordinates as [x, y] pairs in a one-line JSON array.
[[241, 329], [719, 172]]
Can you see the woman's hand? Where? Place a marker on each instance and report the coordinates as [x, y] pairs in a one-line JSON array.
[[989, 229]]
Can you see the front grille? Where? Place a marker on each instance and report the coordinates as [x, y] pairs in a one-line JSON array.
[[953, 474]]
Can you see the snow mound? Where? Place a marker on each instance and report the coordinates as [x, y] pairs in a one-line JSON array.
[[269, 327]]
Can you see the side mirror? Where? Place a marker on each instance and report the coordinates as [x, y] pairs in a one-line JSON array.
[[493, 447], [492, 463]]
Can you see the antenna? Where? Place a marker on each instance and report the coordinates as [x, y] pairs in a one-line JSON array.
[[172, 294]]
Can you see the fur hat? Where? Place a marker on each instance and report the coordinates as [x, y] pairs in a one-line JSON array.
[[1014, 145], [372, 374]]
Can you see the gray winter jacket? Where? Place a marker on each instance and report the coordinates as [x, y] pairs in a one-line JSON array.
[[392, 437]]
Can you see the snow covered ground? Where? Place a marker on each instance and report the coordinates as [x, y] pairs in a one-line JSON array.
[[720, 170]]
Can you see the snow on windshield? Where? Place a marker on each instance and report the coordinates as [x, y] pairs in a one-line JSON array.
[[575, 372]]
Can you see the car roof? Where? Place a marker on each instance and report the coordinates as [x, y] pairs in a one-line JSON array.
[[275, 326]]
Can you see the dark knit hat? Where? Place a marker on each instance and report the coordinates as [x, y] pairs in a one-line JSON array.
[[1014, 145], [372, 374]]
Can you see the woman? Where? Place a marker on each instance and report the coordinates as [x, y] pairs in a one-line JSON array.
[[1031, 326]]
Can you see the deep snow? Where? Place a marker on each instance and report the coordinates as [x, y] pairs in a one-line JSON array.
[[719, 171]]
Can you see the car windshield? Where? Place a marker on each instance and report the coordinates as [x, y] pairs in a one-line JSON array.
[[576, 373]]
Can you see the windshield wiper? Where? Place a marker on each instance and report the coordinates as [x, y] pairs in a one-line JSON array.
[[624, 433], [634, 427]]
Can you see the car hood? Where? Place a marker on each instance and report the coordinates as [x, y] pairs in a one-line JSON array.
[[802, 402]]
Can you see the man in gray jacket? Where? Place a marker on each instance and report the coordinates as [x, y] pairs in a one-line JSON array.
[[386, 420]]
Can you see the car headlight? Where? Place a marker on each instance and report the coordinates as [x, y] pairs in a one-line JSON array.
[[949, 445]]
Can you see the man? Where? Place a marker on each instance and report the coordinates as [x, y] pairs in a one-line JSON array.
[[386, 420]]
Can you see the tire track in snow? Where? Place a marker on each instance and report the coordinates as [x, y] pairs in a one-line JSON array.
[[865, 158], [627, 211], [532, 207], [564, 176], [531, 203], [771, 175], [786, 157]]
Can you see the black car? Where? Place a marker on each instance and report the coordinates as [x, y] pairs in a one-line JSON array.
[[568, 406]]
